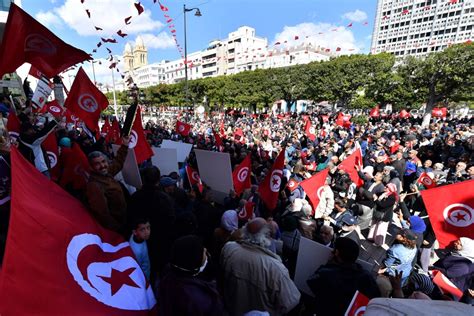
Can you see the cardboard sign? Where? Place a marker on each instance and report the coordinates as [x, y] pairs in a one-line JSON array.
[[215, 170], [183, 149], [42, 92], [130, 172], [311, 255], [166, 159]]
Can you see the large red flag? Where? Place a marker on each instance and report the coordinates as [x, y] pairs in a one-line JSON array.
[[86, 101], [219, 143], [348, 165], [75, 167], [426, 181], [241, 175], [50, 147], [182, 128], [113, 136], [375, 112], [309, 129], [451, 216], [313, 186], [270, 186], [106, 127], [138, 141], [358, 305], [439, 112], [26, 40], [55, 245]]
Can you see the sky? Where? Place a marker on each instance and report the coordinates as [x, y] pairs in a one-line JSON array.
[[325, 22]]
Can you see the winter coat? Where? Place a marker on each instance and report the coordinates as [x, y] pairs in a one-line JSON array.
[[105, 197], [256, 279]]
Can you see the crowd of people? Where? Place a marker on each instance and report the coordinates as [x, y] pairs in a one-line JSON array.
[[208, 258]]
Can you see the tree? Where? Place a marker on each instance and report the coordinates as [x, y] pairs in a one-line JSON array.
[[441, 76]]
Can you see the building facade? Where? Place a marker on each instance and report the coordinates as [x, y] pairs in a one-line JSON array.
[[419, 27], [241, 51]]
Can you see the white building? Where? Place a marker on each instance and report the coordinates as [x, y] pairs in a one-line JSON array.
[[242, 50], [418, 27]]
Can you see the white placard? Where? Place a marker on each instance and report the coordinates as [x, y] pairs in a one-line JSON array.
[[311, 255], [42, 92], [183, 149], [215, 170], [166, 159], [130, 172]]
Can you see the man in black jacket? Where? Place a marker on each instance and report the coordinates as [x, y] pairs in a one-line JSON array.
[[335, 283]]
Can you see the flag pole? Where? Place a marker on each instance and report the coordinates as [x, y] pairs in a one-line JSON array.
[[113, 93]]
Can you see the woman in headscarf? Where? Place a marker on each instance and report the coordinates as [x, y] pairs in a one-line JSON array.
[[383, 213], [458, 265], [228, 231]]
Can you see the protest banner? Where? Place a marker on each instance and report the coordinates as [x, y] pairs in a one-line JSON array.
[[215, 171], [166, 159], [182, 148], [130, 172]]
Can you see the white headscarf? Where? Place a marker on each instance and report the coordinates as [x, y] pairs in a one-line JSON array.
[[467, 250], [230, 221]]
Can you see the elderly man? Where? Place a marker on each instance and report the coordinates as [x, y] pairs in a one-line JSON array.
[[254, 277], [104, 194]]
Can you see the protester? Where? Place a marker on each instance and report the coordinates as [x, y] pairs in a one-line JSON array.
[[254, 277], [335, 283], [105, 195], [138, 243]]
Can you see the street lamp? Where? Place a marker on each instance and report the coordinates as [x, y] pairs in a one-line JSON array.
[[198, 13]]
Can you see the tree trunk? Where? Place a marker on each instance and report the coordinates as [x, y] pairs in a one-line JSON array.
[[427, 116]]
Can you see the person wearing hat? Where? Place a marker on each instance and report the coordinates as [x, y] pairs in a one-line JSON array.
[[254, 278], [400, 256], [181, 291], [349, 229]]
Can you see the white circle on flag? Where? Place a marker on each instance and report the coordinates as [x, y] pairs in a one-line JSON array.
[[319, 192], [242, 174], [427, 181], [94, 273], [37, 43], [181, 128], [312, 130], [55, 109], [53, 160], [133, 139], [459, 215], [360, 311], [275, 180], [195, 176], [291, 184], [87, 102]]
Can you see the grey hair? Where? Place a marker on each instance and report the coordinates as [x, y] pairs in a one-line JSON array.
[[96, 154], [328, 228], [260, 239]]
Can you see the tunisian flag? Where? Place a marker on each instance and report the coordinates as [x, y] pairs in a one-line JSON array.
[[241, 176], [182, 128], [358, 305], [451, 216], [426, 181], [86, 101], [54, 108], [348, 165], [313, 186], [106, 127], [375, 112], [75, 167], [404, 114], [270, 186], [80, 267], [50, 147], [446, 285], [344, 120], [138, 141], [292, 184], [310, 132], [439, 112], [26, 40]]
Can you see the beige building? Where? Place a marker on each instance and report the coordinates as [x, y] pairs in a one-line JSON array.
[[136, 56]]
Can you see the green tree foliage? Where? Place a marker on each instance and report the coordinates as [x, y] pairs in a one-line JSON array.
[[355, 81]]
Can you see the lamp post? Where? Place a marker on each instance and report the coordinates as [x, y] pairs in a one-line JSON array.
[[198, 13]]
